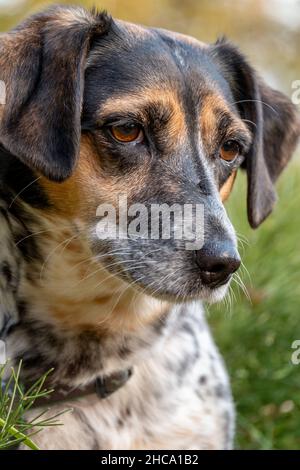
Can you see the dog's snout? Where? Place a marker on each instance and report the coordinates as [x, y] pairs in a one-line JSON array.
[[217, 262]]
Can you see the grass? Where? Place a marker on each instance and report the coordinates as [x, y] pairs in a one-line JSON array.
[[255, 336], [14, 403]]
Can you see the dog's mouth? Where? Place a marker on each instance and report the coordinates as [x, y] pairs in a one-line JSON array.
[[174, 282], [188, 291]]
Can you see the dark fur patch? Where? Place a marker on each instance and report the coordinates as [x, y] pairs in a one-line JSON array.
[[20, 183]]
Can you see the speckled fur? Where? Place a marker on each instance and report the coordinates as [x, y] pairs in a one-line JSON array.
[[177, 398], [10, 271]]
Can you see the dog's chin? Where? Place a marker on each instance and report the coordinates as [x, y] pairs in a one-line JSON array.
[[217, 294], [206, 294]]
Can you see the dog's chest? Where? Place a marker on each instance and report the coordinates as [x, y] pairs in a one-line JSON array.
[[177, 398]]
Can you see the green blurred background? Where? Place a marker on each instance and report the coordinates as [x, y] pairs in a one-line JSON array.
[[254, 331]]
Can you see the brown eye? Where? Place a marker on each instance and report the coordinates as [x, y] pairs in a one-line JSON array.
[[127, 133], [230, 150]]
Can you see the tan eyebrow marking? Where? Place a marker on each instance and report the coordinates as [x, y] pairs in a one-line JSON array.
[[214, 109], [138, 102]]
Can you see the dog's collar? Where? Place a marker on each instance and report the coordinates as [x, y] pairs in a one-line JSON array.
[[103, 387]]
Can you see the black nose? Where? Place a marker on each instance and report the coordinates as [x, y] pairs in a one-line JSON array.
[[217, 262]]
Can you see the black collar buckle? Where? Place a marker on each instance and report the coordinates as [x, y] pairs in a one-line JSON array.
[[109, 384]]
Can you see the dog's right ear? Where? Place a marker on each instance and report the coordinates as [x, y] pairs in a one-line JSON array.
[[42, 65], [273, 121]]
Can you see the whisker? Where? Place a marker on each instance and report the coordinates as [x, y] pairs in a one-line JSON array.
[[53, 251], [112, 275], [119, 297], [257, 101], [244, 268], [242, 237], [251, 122], [237, 279], [105, 268], [120, 262], [33, 234], [22, 190], [95, 258]]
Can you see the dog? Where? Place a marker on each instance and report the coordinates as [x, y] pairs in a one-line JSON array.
[[97, 108]]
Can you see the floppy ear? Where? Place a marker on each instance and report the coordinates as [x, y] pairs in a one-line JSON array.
[[273, 121], [42, 63]]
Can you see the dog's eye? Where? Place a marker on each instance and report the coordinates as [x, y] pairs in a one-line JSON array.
[[127, 133], [230, 150]]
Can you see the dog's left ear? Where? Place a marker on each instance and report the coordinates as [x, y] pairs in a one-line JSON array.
[[42, 64], [273, 121]]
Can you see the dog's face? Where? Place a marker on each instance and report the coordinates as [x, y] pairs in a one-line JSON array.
[[104, 109]]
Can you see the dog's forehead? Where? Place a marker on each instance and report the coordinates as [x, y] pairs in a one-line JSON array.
[[162, 41], [132, 57]]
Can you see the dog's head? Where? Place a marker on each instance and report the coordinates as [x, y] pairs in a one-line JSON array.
[[100, 108]]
